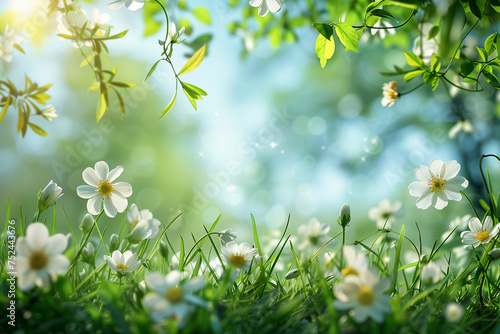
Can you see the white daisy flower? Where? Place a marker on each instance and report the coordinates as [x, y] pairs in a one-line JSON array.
[[266, 6], [8, 40], [142, 224], [130, 4], [390, 94], [479, 233], [385, 214], [356, 263], [454, 312], [100, 187], [315, 234], [364, 295], [172, 296], [239, 256], [39, 260], [437, 184], [431, 273], [123, 264]]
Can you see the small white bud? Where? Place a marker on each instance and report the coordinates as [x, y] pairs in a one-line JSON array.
[[292, 274]]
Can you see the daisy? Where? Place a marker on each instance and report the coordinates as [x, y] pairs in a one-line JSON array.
[[315, 234], [226, 236], [385, 214], [356, 263], [479, 233], [453, 312], [364, 295], [142, 224], [130, 4], [437, 184], [390, 94], [100, 187], [239, 256], [39, 260], [266, 6], [172, 296], [123, 264]]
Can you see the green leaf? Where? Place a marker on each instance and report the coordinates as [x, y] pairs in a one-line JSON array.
[[38, 130], [5, 107], [153, 68], [477, 7], [433, 32], [490, 43], [492, 80], [347, 36], [466, 68], [275, 36], [372, 6], [412, 59], [435, 82], [324, 29], [324, 48], [202, 14], [194, 61], [495, 4], [170, 104], [482, 53], [101, 108], [412, 74], [435, 63], [382, 13]]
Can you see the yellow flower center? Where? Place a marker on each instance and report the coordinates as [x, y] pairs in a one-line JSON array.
[[349, 271], [237, 260], [133, 224], [482, 235], [436, 184], [121, 267], [38, 260], [365, 295], [174, 295], [105, 188]]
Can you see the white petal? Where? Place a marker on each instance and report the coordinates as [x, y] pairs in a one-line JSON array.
[[255, 3], [27, 281], [119, 202], [156, 282], [417, 188], [115, 5], [451, 169], [58, 264], [435, 166], [56, 244], [244, 248], [456, 184], [425, 200], [488, 224], [173, 277], [86, 191], [115, 173], [90, 177], [22, 247], [109, 207], [124, 188], [232, 247], [274, 5], [452, 196], [263, 10], [439, 200], [94, 204], [37, 236], [111, 262], [135, 5], [475, 225], [422, 173]]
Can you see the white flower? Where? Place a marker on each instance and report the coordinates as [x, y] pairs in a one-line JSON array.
[[172, 297], [100, 187], [390, 94], [8, 40], [431, 274], [479, 233], [266, 6], [364, 295], [385, 214], [173, 34], [344, 215], [315, 234], [130, 4], [437, 184], [123, 264], [226, 236], [39, 260], [49, 113], [423, 46], [453, 312], [356, 263], [461, 126], [143, 225], [72, 24], [239, 256], [50, 194], [101, 20]]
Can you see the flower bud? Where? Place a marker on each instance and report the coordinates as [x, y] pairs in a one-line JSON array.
[[494, 254], [114, 242], [345, 215], [87, 223], [431, 274], [292, 274], [49, 195], [88, 253], [164, 249], [454, 312]]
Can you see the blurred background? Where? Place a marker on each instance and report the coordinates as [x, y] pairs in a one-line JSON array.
[[277, 135]]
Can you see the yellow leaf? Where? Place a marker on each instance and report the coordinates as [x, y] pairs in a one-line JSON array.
[[194, 61], [101, 109], [38, 130], [5, 107]]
